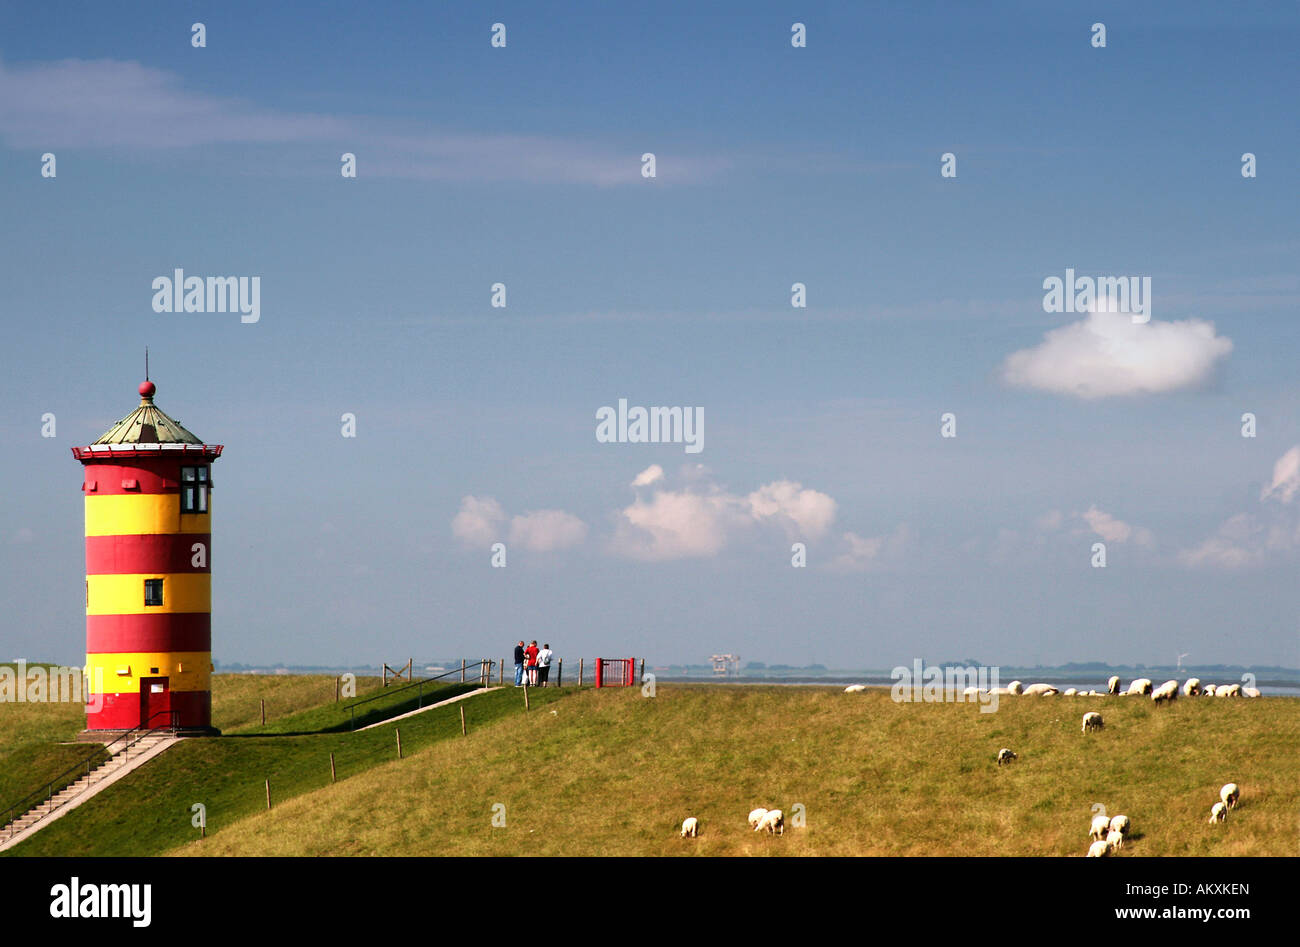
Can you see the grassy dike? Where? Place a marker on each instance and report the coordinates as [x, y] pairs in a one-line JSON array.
[[614, 773], [149, 811]]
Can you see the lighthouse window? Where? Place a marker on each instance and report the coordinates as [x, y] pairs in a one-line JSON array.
[[194, 489], [153, 591]]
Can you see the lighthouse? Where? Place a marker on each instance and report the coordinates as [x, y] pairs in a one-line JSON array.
[[148, 496]]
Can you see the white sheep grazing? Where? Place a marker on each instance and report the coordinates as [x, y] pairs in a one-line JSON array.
[[1000, 691], [1115, 840], [1098, 849], [1219, 813], [1207, 690], [1100, 826], [774, 822], [1120, 824], [1015, 687], [1039, 690], [1140, 686], [1228, 690], [1192, 688], [691, 828], [1092, 721], [970, 693], [1166, 691], [855, 688], [756, 816], [1112, 685], [1229, 795], [1250, 692], [1005, 756], [1070, 691]]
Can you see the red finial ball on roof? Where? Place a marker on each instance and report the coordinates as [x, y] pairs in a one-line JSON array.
[[147, 388]]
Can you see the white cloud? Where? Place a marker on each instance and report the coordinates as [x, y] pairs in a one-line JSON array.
[[107, 103], [1106, 354], [545, 530], [1236, 545], [651, 474], [1286, 477], [804, 513], [1114, 530], [862, 553], [479, 521], [1251, 539], [701, 519]]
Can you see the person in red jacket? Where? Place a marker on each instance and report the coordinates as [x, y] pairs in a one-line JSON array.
[[530, 657]]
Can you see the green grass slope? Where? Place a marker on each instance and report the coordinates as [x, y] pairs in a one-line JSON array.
[[614, 773], [149, 810]]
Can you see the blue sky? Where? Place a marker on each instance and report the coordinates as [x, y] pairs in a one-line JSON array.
[[775, 165]]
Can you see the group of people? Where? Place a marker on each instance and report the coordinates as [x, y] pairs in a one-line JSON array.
[[534, 662]]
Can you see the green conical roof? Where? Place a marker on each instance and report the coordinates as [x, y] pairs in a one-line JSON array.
[[147, 424]]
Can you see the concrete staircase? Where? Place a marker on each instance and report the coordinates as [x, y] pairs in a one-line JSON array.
[[124, 760]]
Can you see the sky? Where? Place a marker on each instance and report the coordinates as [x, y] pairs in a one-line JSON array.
[[823, 425]]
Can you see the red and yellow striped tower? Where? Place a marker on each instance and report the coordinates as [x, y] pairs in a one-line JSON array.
[[148, 486]]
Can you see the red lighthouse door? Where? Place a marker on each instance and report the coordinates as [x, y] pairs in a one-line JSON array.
[[155, 702]]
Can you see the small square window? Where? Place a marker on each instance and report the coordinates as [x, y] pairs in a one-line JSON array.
[[194, 489], [153, 591]]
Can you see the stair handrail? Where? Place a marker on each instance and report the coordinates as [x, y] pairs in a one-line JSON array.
[[27, 803]]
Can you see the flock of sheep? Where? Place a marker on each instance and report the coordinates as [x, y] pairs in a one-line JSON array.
[[1169, 690], [1108, 833], [771, 821]]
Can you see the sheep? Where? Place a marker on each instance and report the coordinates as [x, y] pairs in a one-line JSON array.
[[855, 688], [691, 828], [1120, 824], [1070, 691], [774, 822], [1140, 686], [1219, 813], [1250, 692], [1166, 691], [1039, 690], [1100, 826], [1015, 687], [1005, 756], [1207, 690], [1192, 688], [1112, 685], [1228, 690], [1098, 849], [971, 693], [1000, 691], [1229, 795], [1092, 721], [756, 816], [1115, 840]]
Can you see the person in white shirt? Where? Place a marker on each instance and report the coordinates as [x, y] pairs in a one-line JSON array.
[[544, 664]]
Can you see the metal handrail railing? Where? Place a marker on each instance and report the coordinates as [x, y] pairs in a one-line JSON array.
[[352, 709], [27, 803]]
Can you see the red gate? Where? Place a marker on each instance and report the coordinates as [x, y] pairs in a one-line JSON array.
[[615, 672]]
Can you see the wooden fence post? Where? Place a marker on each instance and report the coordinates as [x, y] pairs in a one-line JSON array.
[[263, 711], [399, 742], [501, 678], [462, 670], [559, 673], [336, 689], [580, 660], [525, 692], [462, 720], [268, 794], [642, 676], [333, 774]]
